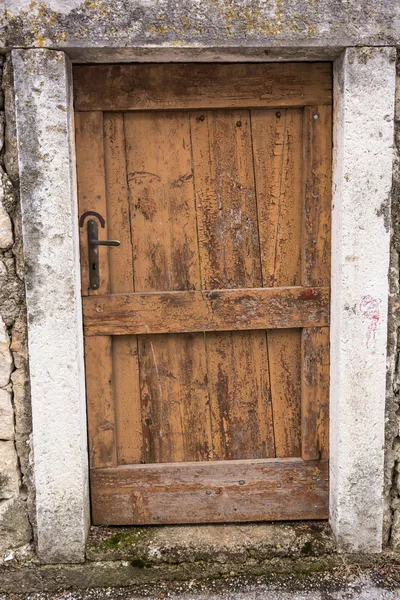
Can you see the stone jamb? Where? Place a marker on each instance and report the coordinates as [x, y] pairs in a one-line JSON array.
[[46, 157], [362, 171]]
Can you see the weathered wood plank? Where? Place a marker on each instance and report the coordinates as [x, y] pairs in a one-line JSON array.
[[225, 199], [173, 377], [230, 257], [128, 415], [100, 402], [118, 209], [175, 408], [214, 310], [204, 492], [318, 191], [241, 412], [315, 393], [316, 271], [91, 192], [284, 350], [193, 86], [277, 147], [125, 367], [161, 192], [98, 351]]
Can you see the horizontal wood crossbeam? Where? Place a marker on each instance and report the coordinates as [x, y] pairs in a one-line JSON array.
[[200, 86], [206, 492], [216, 310]]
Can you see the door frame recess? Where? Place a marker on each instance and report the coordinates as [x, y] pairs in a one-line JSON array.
[[363, 131]]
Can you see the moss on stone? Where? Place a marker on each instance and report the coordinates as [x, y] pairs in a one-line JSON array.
[[121, 539]]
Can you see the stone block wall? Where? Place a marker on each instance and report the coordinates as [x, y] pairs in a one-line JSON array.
[[16, 486]]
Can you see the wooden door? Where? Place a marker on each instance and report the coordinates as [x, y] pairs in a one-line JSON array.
[[207, 342]]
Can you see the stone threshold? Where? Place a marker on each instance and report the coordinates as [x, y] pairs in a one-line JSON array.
[[172, 555]]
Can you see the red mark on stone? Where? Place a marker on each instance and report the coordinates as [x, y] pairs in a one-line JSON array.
[[369, 307]]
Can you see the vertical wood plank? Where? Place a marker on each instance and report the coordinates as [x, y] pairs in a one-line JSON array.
[[118, 209], [162, 200], [318, 191], [241, 395], [284, 349], [316, 271], [225, 198], [173, 378], [174, 398], [315, 393], [124, 348], [100, 402], [98, 350], [277, 146], [91, 191], [230, 257]]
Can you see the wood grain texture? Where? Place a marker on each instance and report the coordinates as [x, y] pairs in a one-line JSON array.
[[204, 492], [125, 365], [126, 387], [240, 398], [173, 377], [91, 192], [229, 251], [98, 351], [318, 191], [315, 393], [175, 403], [100, 402], [207, 346], [225, 199], [213, 310], [193, 86], [284, 350], [316, 271], [161, 191], [277, 146], [118, 208]]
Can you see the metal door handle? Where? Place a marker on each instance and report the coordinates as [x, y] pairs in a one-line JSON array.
[[93, 244], [104, 243]]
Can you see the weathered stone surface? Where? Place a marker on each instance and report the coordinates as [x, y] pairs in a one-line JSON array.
[[210, 543], [2, 129], [14, 525], [6, 416], [121, 24], [45, 155], [15, 528], [362, 179], [9, 477], [6, 361], [10, 133], [6, 234], [392, 446]]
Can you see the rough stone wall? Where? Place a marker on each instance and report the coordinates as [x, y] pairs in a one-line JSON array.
[[392, 455], [16, 486]]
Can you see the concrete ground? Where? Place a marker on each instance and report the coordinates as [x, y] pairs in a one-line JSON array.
[[360, 587]]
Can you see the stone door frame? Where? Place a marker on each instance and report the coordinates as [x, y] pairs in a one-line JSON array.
[[364, 92]]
